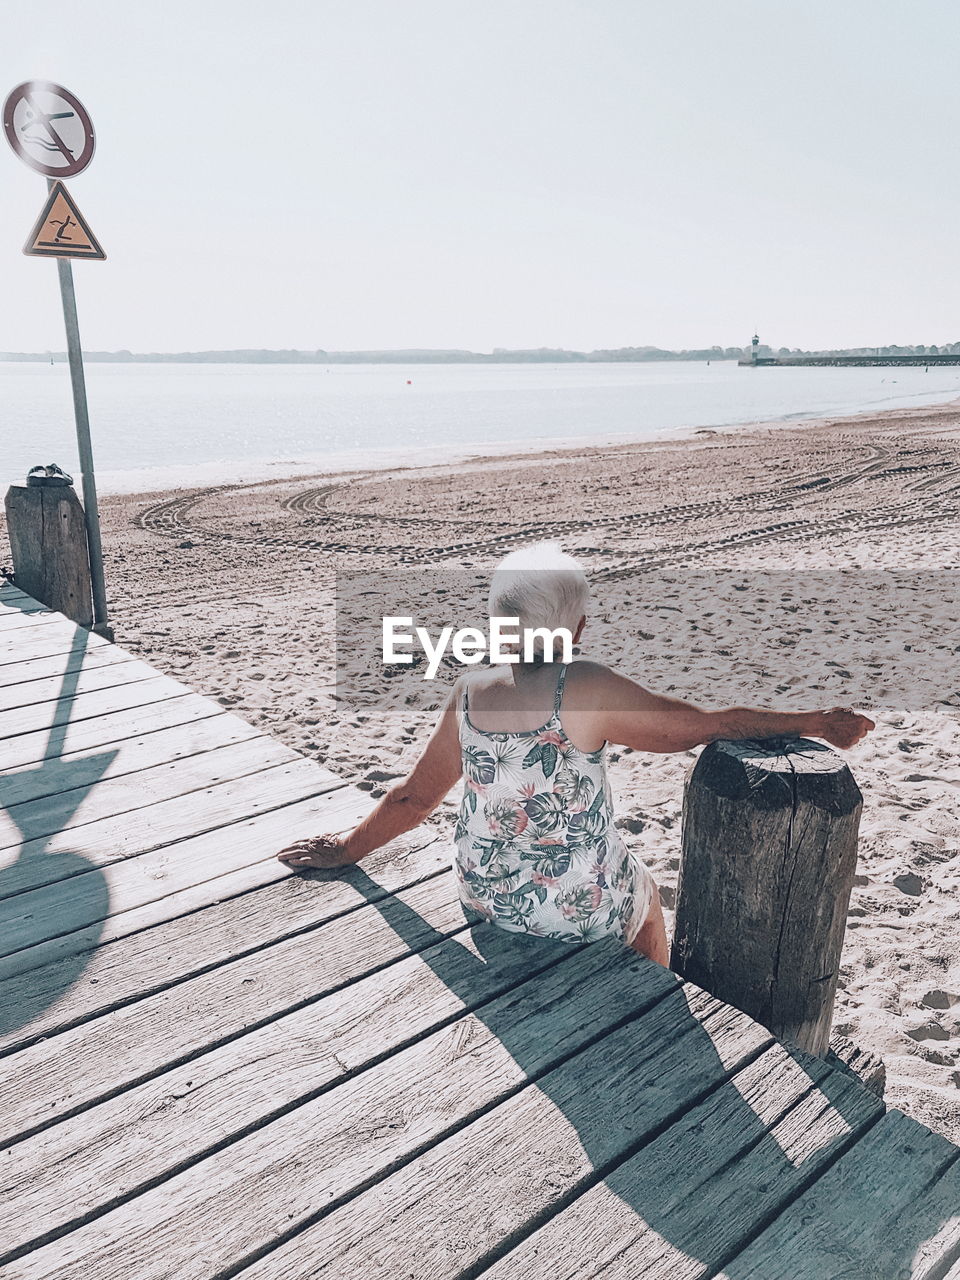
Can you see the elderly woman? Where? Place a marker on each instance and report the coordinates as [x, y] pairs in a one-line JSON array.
[[537, 848]]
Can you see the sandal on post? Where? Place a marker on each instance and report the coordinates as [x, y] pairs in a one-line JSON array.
[[51, 475]]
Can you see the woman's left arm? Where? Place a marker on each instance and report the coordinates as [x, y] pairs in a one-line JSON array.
[[403, 807]]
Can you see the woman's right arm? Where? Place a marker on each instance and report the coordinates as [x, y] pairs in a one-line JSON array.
[[403, 807], [635, 717]]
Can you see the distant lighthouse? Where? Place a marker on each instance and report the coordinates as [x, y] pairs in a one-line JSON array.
[[754, 348]]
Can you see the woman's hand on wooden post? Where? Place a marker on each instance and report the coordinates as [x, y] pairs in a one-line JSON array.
[[843, 727], [326, 852]]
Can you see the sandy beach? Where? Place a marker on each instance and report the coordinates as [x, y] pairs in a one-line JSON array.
[[232, 589]]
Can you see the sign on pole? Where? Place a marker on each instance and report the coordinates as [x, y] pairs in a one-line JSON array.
[[61, 231], [50, 130]]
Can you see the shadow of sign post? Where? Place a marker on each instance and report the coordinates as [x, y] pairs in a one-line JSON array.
[[67, 783]]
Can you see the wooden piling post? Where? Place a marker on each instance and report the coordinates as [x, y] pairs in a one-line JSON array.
[[769, 854], [48, 541]]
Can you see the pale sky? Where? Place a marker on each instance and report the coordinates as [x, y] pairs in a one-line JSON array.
[[477, 173]]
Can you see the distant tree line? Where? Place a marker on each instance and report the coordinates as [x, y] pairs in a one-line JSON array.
[[499, 355], [945, 349]]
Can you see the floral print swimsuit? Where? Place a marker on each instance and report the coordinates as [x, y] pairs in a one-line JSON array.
[[537, 849]]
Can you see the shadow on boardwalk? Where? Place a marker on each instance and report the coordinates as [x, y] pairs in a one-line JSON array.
[[672, 1183], [35, 798]]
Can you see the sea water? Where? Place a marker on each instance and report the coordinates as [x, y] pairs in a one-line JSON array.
[[157, 426]]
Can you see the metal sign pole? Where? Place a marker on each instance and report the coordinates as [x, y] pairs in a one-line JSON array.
[[51, 131], [90, 509]]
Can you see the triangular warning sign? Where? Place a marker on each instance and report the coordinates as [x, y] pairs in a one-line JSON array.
[[61, 231]]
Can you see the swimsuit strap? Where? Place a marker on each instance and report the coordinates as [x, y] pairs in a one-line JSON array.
[[559, 694]]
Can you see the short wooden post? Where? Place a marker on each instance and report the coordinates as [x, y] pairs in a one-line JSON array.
[[769, 853], [48, 541]]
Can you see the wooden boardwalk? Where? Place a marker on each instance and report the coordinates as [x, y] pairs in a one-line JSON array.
[[212, 1067]]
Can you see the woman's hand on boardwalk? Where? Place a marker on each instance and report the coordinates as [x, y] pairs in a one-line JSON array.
[[317, 851], [844, 727]]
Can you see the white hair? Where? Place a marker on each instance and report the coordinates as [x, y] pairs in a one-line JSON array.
[[542, 586]]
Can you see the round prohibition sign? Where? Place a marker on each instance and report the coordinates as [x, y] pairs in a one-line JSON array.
[[49, 129]]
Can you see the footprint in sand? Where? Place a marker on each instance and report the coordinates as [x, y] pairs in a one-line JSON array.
[[939, 999], [928, 1031]]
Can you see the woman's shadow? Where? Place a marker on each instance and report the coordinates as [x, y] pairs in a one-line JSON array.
[[40, 800], [611, 1090]]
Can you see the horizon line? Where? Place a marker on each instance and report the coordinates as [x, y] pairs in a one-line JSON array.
[[647, 352]]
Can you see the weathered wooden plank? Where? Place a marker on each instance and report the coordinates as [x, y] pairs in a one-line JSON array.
[[692, 1198], [12, 599], [888, 1208], [43, 643], [67, 684], [16, 674], [866, 1066], [549, 1138], [238, 1200], [196, 897], [80, 770], [938, 1257], [48, 716], [75, 987], [130, 834], [48, 825], [469, 1195], [105, 730], [86, 1164], [200, 1013], [486, 1149], [121, 887], [17, 603], [58, 636], [15, 619]]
